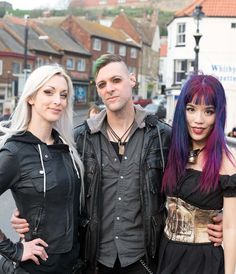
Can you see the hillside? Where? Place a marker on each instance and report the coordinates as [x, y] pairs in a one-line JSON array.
[[172, 5]]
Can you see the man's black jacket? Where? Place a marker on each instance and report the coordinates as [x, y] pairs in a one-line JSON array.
[[153, 158]]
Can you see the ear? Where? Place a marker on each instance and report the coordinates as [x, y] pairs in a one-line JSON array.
[[30, 100], [132, 79]]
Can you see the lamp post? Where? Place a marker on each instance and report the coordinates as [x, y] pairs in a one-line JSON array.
[[26, 46], [197, 14]]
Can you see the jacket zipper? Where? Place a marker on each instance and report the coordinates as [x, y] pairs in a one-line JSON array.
[[37, 222]]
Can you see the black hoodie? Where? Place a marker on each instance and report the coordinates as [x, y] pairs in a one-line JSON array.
[[45, 187]]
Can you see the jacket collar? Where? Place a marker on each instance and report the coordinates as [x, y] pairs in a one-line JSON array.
[[95, 124]]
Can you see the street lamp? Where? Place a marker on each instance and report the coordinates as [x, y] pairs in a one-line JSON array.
[[26, 46], [197, 14]]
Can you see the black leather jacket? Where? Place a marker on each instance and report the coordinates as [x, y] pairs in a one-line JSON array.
[[49, 206], [153, 159]]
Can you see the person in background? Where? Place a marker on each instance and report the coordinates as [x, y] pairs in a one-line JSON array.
[[199, 180], [232, 133], [46, 174], [93, 111], [6, 114], [124, 151]]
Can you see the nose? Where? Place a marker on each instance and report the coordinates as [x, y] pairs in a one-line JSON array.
[[57, 99], [199, 117], [109, 86]]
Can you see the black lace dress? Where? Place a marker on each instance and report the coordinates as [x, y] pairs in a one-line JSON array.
[[196, 258]]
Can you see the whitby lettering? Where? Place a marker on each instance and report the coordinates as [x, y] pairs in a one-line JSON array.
[[225, 73], [225, 68]]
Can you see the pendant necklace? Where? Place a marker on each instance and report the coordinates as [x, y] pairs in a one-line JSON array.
[[121, 144], [193, 154]]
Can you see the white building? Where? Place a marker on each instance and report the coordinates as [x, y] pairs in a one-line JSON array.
[[217, 54]]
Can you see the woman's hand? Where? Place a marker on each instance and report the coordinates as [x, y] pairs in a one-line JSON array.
[[18, 224], [33, 250]]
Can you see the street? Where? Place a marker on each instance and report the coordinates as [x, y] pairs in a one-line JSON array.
[[6, 200]]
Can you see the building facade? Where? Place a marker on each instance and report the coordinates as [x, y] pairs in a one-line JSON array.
[[98, 40], [217, 55]]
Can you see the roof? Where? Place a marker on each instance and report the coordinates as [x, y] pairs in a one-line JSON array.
[[53, 21], [211, 8], [64, 41], [145, 31], [98, 30], [8, 43], [34, 43]]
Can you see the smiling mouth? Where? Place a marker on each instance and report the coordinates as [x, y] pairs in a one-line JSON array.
[[198, 130], [55, 110]]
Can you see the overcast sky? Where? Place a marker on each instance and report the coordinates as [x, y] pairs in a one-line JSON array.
[[33, 4]]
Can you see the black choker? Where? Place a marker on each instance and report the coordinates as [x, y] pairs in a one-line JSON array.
[[193, 154]]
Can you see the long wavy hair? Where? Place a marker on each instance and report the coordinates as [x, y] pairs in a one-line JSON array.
[[197, 89], [21, 116]]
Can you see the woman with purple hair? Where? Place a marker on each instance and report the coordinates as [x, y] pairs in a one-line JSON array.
[[199, 181]]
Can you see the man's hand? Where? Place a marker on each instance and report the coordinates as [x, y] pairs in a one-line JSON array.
[[215, 231], [33, 250], [18, 224]]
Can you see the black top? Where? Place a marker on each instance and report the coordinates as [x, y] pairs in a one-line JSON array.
[[188, 189], [195, 258]]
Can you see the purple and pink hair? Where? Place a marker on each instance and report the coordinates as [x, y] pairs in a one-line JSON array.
[[197, 89]]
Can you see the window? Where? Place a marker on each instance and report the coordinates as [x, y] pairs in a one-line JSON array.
[[29, 67], [40, 61], [181, 33], [233, 25], [122, 50], [70, 63], [81, 65], [181, 70], [132, 70], [110, 47], [1, 64], [97, 44], [133, 53], [16, 68]]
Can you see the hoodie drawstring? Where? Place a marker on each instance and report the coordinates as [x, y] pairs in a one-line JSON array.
[[43, 170]]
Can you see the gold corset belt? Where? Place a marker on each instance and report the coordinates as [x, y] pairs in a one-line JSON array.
[[187, 223]]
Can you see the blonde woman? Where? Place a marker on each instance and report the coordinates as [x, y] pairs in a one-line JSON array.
[[39, 163]]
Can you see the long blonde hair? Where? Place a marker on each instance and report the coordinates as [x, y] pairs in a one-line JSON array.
[[21, 116]]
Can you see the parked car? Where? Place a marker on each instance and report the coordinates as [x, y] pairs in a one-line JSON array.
[[139, 100], [158, 110]]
